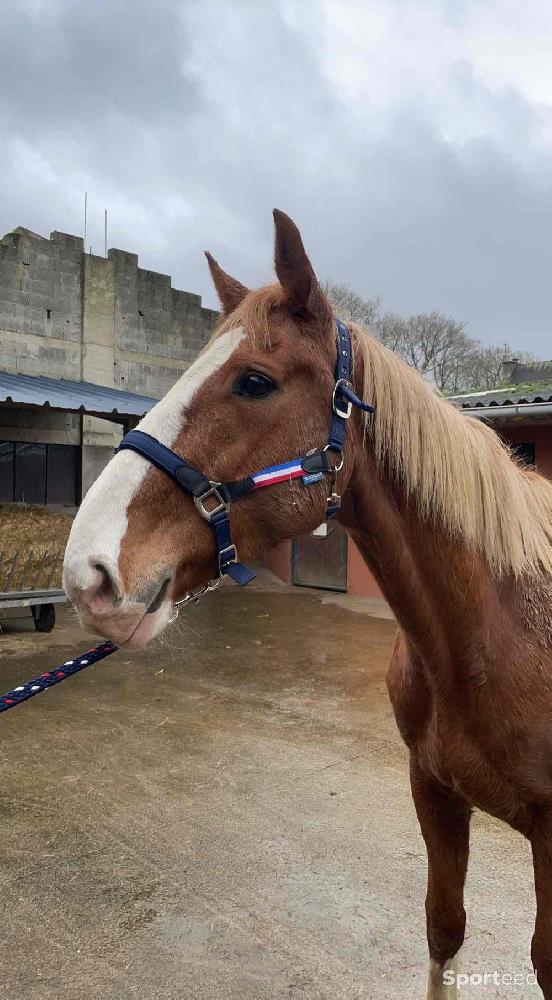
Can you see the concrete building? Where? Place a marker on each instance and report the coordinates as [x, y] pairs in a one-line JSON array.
[[77, 318]]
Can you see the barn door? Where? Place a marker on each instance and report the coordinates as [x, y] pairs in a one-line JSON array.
[[319, 559]]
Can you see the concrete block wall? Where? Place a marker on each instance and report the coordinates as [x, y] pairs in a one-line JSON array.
[[44, 426], [97, 355], [41, 304], [159, 330], [67, 314]]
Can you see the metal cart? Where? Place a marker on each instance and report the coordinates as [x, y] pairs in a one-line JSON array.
[[32, 577]]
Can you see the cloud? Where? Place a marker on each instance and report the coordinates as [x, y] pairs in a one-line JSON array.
[[410, 139]]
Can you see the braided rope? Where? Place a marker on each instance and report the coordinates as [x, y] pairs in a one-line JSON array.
[[51, 677]]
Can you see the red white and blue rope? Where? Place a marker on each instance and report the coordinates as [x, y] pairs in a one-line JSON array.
[[51, 677]]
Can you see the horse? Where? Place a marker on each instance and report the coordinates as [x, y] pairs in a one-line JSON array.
[[456, 533]]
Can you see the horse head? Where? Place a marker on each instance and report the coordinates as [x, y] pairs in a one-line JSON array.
[[260, 393]]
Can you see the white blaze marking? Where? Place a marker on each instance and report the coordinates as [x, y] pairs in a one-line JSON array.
[[101, 522]]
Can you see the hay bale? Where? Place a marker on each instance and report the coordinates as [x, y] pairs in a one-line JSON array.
[[32, 543]]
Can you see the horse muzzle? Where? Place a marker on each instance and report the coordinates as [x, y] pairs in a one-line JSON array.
[[95, 589]]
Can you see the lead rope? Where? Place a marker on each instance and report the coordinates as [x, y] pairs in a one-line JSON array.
[[51, 677], [94, 655]]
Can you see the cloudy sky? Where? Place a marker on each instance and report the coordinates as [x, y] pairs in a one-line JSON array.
[[410, 139]]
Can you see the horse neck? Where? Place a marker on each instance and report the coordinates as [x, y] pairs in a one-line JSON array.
[[441, 592]]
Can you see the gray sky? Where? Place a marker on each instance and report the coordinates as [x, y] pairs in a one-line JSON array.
[[410, 139]]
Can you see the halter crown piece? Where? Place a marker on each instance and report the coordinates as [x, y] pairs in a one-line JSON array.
[[213, 500]]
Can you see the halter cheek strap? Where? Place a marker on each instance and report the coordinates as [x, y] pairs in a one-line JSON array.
[[213, 500]]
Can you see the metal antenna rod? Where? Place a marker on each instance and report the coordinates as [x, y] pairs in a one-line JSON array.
[[105, 233], [85, 217]]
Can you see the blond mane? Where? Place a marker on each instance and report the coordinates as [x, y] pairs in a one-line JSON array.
[[453, 466]]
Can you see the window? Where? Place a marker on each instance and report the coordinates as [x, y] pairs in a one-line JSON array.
[[30, 473], [61, 474], [525, 453], [39, 473], [7, 470]]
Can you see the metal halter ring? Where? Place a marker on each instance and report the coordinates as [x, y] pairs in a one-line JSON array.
[[221, 504], [335, 468], [193, 597], [343, 413]]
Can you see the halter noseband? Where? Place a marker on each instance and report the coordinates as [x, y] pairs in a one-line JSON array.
[[312, 468]]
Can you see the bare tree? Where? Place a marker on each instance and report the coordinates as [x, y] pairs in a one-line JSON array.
[[392, 331], [352, 307], [483, 368], [434, 343]]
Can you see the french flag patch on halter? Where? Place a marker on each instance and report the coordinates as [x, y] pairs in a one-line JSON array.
[[278, 473]]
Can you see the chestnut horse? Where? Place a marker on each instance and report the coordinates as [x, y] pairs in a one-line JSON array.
[[457, 535]]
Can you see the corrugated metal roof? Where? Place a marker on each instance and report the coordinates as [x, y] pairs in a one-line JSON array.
[[529, 392], [74, 397]]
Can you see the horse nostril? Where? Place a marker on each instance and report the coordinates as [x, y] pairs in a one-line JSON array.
[[108, 588]]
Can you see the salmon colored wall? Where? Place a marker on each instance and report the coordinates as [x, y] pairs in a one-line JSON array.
[[541, 436], [278, 561], [360, 581]]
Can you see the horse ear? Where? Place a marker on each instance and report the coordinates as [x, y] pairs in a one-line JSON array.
[[229, 291], [294, 271]]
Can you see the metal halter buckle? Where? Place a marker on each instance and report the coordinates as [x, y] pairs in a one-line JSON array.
[[346, 413], [221, 504], [335, 468], [234, 559]]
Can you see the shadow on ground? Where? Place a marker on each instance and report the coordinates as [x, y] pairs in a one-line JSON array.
[[226, 815]]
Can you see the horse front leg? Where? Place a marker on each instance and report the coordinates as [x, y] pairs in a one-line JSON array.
[[444, 819], [541, 945]]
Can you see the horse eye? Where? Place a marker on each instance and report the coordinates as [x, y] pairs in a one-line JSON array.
[[254, 384]]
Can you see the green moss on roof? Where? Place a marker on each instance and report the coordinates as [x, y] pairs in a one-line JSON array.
[[524, 392], [525, 386]]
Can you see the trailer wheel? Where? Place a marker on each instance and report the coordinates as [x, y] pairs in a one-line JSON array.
[[44, 617]]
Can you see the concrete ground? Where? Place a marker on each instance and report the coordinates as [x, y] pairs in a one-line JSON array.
[[227, 815]]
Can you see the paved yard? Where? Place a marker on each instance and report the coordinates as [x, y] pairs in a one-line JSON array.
[[227, 815]]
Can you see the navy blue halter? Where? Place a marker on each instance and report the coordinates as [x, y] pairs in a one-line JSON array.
[[213, 500]]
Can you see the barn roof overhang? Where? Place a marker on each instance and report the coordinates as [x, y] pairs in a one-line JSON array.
[[526, 403], [63, 396], [523, 413], [513, 413]]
